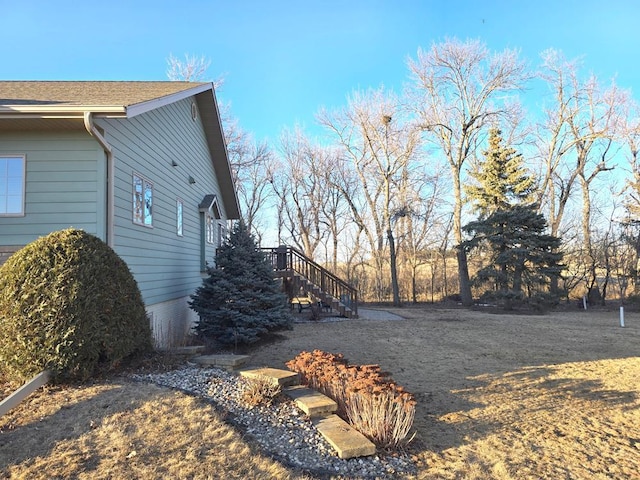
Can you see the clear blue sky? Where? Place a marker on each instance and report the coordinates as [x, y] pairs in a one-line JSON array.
[[282, 60]]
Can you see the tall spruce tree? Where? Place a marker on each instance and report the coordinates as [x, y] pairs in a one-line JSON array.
[[239, 302], [522, 257]]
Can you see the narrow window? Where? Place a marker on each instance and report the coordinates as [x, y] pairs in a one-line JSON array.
[[179, 205], [12, 178], [210, 229], [142, 201]]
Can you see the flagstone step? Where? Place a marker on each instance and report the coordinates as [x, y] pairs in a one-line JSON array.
[[284, 378], [229, 362], [311, 402], [345, 439]]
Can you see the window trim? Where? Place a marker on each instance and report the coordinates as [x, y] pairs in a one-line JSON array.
[[22, 212], [145, 183]]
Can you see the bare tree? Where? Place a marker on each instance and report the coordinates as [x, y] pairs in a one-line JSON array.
[[631, 135], [299, 182], [594, 132], [250, 163], [576, 140], [192, 69], [380, 143], [630, 224], [335, 209], [418, 222], [459, 88]]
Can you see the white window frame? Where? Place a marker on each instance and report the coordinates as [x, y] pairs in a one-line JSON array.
[[179, 217], [146, 184], [4, 188]]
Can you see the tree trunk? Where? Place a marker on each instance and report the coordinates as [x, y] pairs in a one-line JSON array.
[[463, 278], [461, 255], [394, 269], [594, 292]]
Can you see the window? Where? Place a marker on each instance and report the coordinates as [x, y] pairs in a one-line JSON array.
[[210, 232], [179, 205], [12, 185], [142, 201]]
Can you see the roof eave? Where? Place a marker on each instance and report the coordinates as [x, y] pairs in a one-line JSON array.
[[58, 111], [210, 116], [143, 107]]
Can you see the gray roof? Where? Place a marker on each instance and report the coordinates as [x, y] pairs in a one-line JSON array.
[[95, 94]]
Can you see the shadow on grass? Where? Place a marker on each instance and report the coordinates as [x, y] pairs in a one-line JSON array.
[[493, 401], [74, 417]]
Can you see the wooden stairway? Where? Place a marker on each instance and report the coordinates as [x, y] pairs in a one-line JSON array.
[[302, 273]]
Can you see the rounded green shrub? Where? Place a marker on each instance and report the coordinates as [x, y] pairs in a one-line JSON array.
[[69, 304]]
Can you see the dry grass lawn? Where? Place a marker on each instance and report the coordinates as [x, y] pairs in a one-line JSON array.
[[499, 396]]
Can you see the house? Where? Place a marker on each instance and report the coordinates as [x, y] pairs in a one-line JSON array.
[[141, 165]]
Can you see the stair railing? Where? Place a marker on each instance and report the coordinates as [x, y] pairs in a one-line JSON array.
[[285, 258]]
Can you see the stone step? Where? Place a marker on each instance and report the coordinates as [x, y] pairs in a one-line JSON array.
[[311, 402], [345, 439], [229, 362], [186, 351], [284, 378]]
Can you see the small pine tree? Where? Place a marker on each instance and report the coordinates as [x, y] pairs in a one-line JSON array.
[[239, 302]]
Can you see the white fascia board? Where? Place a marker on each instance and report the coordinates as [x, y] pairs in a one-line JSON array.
[[59, 110], [143, 107]]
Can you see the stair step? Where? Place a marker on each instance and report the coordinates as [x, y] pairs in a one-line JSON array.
[[228, 362], [311, 402], [346, 440], [284, 378]]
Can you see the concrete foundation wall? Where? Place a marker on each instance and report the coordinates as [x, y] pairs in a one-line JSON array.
[[171, 322]]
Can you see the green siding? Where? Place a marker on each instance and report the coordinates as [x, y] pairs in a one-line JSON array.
[[65, 185], [165, 265]]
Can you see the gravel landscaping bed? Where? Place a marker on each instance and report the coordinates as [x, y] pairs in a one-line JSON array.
[[281, 429]]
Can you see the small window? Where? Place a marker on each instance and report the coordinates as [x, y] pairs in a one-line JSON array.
[[12, 178], [210, 232], [142, 201], [179, 206]]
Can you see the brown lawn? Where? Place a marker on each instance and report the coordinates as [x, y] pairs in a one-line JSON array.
[[499, 396]]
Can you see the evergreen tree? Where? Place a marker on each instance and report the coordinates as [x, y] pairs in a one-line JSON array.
[[521, 255], [240, 302], [502, 179]]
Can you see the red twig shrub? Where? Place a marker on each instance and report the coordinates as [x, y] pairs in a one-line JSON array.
[[366, 396]]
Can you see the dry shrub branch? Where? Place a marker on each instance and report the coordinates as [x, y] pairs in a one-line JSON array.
[[366, 396], [260, 391]]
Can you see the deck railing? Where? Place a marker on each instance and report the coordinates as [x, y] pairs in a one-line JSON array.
[[285, 258]]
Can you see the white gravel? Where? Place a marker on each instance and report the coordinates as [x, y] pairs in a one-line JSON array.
[[282, 430]]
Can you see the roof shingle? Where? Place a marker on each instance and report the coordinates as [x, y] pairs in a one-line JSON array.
[[96, 94]]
